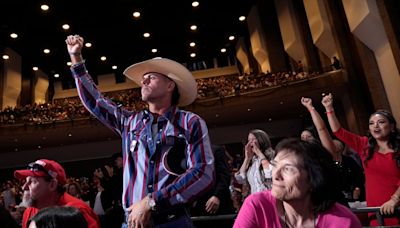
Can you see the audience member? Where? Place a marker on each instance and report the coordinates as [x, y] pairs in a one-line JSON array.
[[352, 179], [380, 152], [44, 181], [58, 217], [218, 200], [303, 193], [256, 168], [150, 183]]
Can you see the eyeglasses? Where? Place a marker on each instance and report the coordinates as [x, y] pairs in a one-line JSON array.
[[37, 167]]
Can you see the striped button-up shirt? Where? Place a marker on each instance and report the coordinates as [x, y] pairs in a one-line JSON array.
[[145, 144]]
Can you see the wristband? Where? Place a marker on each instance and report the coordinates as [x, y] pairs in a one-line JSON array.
[[74, 53], [311, 109], [329, 112]]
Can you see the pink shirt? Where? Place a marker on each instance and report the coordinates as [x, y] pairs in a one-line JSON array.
[[259, 210]]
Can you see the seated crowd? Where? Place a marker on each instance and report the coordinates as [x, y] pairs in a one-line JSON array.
[[72, 108]]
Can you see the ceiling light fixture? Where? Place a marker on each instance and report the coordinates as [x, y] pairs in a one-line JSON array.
[[14, 35], [146, 34], [193, 55], [136, 14], [103, 58], [56, 75], [35, 68], [65, 26], [223, 50], [195, 4], [88, 45], [193, 27], [114, 67], [69, 64], [44, 7], [242, 18], [6, 57], [231, 37], [46, 51], [192, 44], [154, 50]]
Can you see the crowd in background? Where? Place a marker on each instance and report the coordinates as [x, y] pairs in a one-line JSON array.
[[72, 108]]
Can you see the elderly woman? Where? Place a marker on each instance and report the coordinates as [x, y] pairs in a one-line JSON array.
[[303, 192], [380, 152], [256, 168]]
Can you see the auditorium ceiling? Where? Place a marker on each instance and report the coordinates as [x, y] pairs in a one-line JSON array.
[[116, 34]]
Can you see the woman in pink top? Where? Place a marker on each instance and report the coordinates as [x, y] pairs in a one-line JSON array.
[[303, 192], [380, 152]]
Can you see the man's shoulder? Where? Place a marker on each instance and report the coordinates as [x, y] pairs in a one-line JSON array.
[[68, 200]]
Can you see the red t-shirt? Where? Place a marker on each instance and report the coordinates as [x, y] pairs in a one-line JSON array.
[[69, 201], [382, 176]]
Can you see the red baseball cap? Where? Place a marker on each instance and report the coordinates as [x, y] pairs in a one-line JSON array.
[[43, 168]]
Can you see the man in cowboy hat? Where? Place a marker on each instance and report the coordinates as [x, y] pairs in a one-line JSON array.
[[45, 180], [154, 191]]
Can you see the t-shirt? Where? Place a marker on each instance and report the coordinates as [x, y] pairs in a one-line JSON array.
[[69, 201], [259, 210]]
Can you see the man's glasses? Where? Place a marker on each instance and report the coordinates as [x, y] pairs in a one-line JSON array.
[[37, 167]]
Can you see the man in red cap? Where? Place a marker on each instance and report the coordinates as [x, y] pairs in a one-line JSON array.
[[44, 181]]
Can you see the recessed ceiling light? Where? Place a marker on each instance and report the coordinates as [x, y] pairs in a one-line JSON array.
[[146, 34], [14, 35], [223, 50], [65, 26], [103, 58], [35, 68], [69, 64], [88, 45], [69, 135], [193, 27], [270, 119], [193, 55], [16, 149], [242, 18], [56, 75], [39, 147], [249, 109], [192, 44], [46, 51], [44, 7], [6, 57], [231, 37], [195, 4], [114, 67], [154, 50], [281, 102], [217, 115], [136, 14]]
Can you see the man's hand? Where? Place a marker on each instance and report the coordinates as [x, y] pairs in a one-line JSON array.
[[74, 44], [139, 214], [212, 205]]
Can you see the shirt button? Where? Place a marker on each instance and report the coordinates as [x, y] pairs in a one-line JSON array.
[[152, 162], [158, 142], [149, 186], [160, 130]]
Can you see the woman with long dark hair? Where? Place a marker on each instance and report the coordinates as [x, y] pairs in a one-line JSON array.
[[256, 169], [380, 152]]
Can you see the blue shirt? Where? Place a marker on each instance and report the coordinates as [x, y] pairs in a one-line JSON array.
[[145, 145]]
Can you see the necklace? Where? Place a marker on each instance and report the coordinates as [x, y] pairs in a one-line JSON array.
[[286, 220]]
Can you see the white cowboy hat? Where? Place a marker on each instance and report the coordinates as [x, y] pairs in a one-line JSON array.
[[187, 86]]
